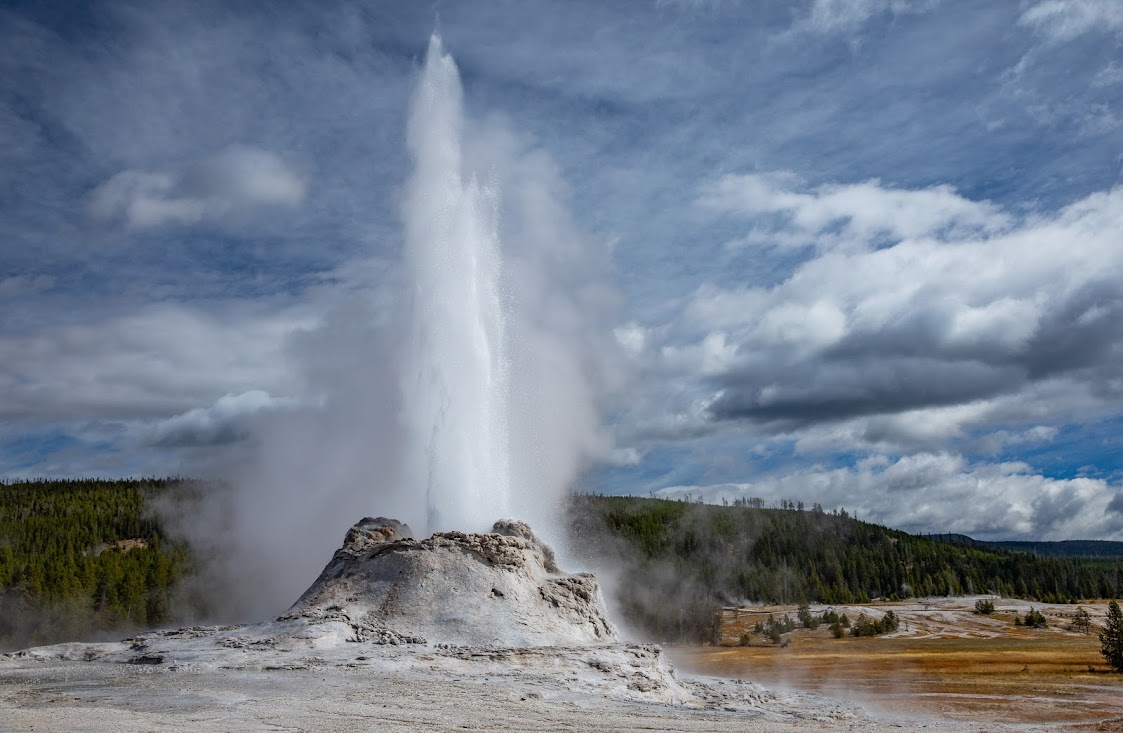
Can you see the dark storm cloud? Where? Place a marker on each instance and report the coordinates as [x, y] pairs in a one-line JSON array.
[[872, 385], [914, 364], [1083, 332]]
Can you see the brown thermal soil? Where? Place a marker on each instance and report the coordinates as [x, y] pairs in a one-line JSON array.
[[945, 660]]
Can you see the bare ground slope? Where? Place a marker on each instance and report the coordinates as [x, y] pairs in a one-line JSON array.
[[944, 661]]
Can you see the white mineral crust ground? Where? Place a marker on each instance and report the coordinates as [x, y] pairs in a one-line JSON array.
[[456, 632]]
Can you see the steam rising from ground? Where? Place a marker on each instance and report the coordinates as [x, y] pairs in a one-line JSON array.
[[468, 390]]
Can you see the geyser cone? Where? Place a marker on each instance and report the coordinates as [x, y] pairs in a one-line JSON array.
[[497, 589], [455, 382]]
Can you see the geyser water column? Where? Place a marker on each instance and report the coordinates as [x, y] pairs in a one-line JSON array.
[[455, 382]]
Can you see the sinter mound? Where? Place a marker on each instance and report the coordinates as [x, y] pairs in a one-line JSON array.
[[503, 588]]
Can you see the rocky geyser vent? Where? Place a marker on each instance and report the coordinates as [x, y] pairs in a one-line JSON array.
[[502, 588]]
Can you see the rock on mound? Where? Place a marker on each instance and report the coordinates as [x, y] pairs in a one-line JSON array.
[[498, 589]]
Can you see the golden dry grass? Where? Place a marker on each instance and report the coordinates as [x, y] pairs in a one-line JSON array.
[[951, 663]]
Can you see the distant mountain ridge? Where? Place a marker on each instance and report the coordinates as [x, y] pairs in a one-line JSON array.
[[1089, 549]]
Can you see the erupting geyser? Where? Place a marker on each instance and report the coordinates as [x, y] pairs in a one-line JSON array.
[[465, 587], [474, 392], [455, 385]]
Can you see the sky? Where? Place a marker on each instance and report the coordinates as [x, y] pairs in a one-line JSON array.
[[864, 253]]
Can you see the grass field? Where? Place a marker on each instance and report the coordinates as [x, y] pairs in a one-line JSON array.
[[945, 660]]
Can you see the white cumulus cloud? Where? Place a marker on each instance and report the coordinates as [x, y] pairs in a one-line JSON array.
[[1002, 500], [235, 180], [857, 214], [153, 363]]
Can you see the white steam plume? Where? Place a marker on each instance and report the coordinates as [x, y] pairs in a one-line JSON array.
[[470, 392], [456, 395]]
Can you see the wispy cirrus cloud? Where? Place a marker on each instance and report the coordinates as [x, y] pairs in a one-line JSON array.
[[1063, 20], [847, 16]]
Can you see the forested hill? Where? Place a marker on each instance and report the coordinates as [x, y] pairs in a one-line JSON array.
[[1064, 548], [83, 557], [676, 560]]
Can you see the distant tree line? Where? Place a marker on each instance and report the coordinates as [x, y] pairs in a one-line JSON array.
[[677, 561], [1087, 549]]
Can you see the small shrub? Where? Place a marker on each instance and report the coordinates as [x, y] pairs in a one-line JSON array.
[[984, 606], [805, 618], [866, 626], [836, 622], [1035, 619]]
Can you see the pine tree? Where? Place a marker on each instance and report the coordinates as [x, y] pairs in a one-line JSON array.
[[1111, 638], [1082, 621]]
